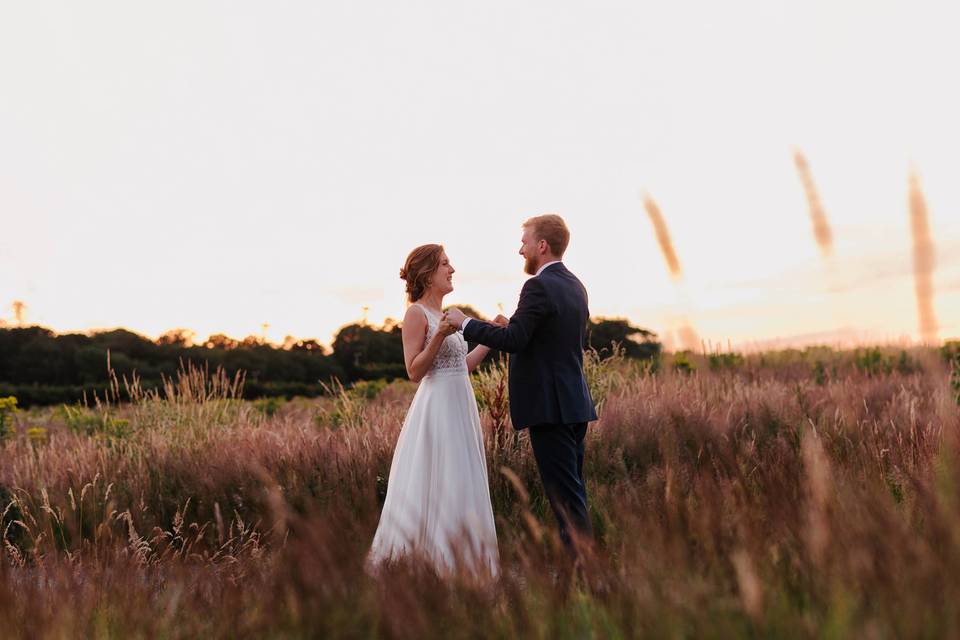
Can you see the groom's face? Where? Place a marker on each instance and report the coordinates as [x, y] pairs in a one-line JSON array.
[[530, 250]]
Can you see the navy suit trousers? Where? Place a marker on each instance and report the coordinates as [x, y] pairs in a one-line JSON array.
[[558, 450]]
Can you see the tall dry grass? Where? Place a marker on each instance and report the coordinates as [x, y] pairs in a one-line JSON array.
[[818, 215], [924, 261], [789, 495]]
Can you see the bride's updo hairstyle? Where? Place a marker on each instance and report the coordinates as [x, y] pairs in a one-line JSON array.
[[420, 266]]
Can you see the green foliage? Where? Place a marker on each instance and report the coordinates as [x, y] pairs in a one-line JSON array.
[[37, 435], [682, 362], [348, 408], [35, 395], [368, 389], [604, 374], [632, 342], [98, 422], [42, 368], [729, 360], [950, 351], [364, 351], [872, 361], [955, 379], [819, 373], [905, 364], [268, 406], [8, 407], [381, 370]]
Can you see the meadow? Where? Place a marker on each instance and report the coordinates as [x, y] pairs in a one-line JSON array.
[[810, 493]]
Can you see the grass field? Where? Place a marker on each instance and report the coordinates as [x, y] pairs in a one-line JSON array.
[[794, 494]]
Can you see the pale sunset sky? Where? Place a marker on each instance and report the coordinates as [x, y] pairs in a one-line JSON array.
[[220, 165]]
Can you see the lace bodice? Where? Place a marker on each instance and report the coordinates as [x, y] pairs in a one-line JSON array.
[[452, 357]]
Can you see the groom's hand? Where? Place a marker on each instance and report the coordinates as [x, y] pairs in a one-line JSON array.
[[455, 316]]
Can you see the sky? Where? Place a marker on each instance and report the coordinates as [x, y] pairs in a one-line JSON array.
[[219, 166]]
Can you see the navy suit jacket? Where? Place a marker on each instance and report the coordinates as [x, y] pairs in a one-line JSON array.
[[545, 341]]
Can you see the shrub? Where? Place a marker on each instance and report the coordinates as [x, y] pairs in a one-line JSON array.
[[604, 373], [348, 408], [99, 421], [955, 379], [729, 360], [819, 373], [872, 361], [682, 362], [8, 407], [490, 386]]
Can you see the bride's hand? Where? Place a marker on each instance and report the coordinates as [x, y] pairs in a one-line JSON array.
[[446, 327], [501, 320]]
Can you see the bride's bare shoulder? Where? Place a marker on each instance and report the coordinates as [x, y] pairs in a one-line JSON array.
[[414, 320]]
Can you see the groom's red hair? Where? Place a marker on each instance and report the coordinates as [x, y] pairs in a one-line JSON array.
[[553, 229], [420, 266]]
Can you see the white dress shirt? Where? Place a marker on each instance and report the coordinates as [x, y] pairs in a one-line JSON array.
[[539, 271]]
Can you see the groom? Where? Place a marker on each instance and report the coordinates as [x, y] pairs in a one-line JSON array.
[[548, 390]]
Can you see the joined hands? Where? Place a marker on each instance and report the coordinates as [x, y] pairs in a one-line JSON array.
[[455, 317], [447, 328]]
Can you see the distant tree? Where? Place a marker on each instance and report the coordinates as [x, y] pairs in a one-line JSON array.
[[636, 342], [177, 338], [90, 364], [38, 359], [122, 341], [311, 346], [252, 361], [30, 354], [368, 352], [253, 341], [221, 341], [41, 367]]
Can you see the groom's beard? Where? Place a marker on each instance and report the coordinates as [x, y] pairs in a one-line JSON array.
[[530, 266]]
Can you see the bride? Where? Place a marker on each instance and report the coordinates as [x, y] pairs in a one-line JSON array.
[[438, 500]]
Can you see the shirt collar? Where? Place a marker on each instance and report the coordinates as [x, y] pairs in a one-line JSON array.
[[540, 270]]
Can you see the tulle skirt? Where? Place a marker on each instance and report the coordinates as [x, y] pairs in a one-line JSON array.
[[438, 498]]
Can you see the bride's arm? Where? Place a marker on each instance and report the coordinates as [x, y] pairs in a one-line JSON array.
[[475, 357], [418, 354]]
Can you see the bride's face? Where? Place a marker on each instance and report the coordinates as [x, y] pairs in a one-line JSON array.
[[442, 280]]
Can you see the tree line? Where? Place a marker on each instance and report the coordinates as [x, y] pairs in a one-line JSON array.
[[40, 367]]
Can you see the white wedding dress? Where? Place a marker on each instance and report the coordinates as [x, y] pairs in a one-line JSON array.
[[438, 500]]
